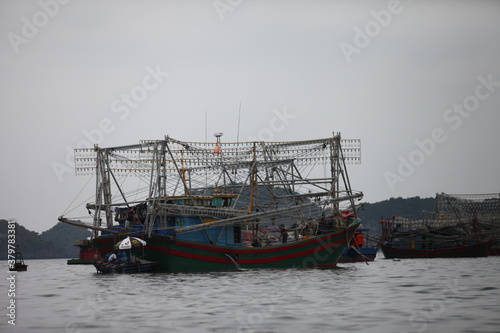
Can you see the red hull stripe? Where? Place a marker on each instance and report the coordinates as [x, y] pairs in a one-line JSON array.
[[259, 250], [322, 242], [244, 261]]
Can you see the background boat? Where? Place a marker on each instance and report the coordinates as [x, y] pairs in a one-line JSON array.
[[88, 253], [363, 248], [18, 264]]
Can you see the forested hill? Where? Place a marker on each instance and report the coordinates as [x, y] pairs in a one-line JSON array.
[[58, 241], [372, 213]]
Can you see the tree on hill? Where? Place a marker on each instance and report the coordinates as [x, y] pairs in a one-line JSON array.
[[31, 244], [56, 242], [64, 236]]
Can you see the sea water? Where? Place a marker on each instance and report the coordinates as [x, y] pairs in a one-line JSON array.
[[410, 295]]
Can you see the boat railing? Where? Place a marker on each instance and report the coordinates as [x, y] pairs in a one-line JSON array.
[[199, 211]]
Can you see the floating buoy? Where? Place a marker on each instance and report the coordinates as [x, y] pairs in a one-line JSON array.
[[396, 259]]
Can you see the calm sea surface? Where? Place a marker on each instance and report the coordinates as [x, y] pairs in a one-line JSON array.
[[422, 295]]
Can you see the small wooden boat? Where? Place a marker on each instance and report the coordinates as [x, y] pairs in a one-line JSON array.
[[136, 266], [124, 261], [19, 264]]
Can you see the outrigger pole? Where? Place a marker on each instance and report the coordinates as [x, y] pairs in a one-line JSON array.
[[85, 225]]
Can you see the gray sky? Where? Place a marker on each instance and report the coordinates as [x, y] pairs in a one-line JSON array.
[[417, 81]]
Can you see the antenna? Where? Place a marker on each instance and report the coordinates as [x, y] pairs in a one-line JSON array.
[[206, 138], [238, 133]]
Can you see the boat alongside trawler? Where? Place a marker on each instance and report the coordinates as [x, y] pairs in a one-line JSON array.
[[363, 248], [244, 205]]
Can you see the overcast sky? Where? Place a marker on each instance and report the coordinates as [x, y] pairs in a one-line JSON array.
[[417, 81]]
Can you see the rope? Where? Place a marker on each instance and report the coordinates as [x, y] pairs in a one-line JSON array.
[[66, 211], [356, 248], [234, 261]]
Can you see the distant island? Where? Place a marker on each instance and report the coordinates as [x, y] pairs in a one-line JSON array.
[[59, 241]]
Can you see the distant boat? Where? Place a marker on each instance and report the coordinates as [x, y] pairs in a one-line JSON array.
[[18, 264], [201, 201], [482, 209], [432, 238], [359, 250], [478, 249], [495, 248], [87, 253]]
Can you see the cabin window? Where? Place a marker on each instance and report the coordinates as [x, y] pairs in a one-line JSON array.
[[217, 202]]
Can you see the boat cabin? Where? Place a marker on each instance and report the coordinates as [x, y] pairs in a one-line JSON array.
[[133, 218]]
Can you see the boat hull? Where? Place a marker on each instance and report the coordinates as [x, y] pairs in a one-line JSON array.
[[80, 261], [141, 266], [466, 251], [351, 255], [186, 256], [495, 248], [19, 268]]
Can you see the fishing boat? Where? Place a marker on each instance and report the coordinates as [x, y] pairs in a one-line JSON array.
[[87, 253], [18, 264], [228, 206], [432, 238], [360, 248], [477, 249], [483, 209]]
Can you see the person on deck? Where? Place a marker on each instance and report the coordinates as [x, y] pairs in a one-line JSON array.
[[284, 234], [112, 257]]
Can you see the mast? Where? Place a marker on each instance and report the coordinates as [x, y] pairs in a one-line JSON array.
[[252, 178], [103, 189], [157, 183], [334, 167], [97, 204]]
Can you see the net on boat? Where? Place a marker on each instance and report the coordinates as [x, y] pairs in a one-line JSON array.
[[173, 166], [276, 181]]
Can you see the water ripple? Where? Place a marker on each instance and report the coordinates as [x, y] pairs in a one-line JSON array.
[[386, 296]]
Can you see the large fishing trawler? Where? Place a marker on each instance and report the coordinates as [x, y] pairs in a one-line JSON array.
[[242, 205]]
